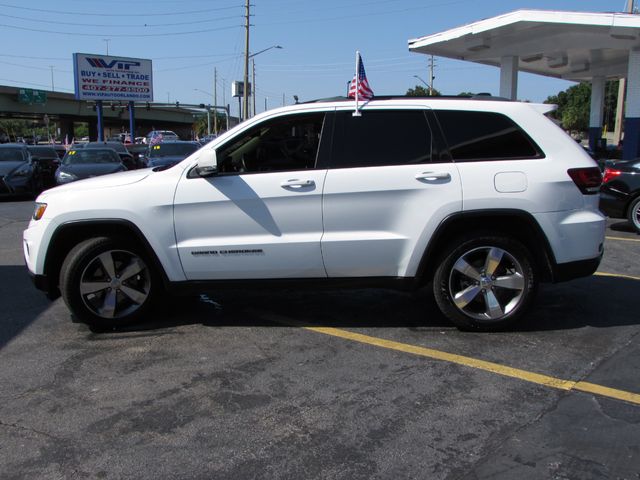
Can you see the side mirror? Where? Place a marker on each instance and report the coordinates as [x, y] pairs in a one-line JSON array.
[[208, 164]]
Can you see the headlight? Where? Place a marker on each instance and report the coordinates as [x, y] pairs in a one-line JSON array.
[[38, 212], [65, 177]]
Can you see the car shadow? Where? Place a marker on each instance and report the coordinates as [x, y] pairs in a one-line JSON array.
[[622, 226], [21, 303], [598, 302]]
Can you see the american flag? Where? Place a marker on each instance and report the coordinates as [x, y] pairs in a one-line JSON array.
[[364, 90], [155, 138]]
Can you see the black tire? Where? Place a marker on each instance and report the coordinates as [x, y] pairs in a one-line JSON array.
[[485, 283], [634, 214], [108, 282]]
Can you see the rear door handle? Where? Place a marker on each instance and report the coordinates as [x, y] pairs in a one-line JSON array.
[[295, 183], [432, 176]]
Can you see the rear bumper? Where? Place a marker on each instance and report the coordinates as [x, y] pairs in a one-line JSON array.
[[563, 272]]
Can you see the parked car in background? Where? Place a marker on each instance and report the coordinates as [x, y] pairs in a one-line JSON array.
[[160, 136], [167, 154], [88, 162], [620, 191], [207, 138], [138, 151], [48, 161], [19, 174], [121, 150]]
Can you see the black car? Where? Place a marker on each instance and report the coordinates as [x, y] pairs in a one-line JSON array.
[[88, 162], [121, 150], [166, 154], [19, 174], [620, 191], [48, 161]]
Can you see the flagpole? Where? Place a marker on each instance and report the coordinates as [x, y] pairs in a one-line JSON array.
[[357, 112]]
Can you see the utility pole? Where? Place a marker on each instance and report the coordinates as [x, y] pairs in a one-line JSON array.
[[253, 85], [622, 90], [431, 75], [224, 99], [215, 100], [245, 93], [52, 86]]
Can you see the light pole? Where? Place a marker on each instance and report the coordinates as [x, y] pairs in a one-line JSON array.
[[215, 111], [246, 79], [426, 84], [107, 40], [429, 87], [208, 112]]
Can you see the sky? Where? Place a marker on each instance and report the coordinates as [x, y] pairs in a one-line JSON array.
[[187, 39]]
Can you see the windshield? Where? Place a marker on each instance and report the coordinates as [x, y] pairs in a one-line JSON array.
[[43, 152], [117, 146], [165, 149], [11, 155], [79, 157]]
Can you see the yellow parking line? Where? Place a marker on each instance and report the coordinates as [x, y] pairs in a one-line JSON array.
[[623, 239], [503, 370], [618, 275]]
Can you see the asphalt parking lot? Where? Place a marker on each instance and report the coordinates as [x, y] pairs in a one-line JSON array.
[[318, 384]]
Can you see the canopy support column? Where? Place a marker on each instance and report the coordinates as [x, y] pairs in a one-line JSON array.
[[595, 117], [632, 117], [509, 77]]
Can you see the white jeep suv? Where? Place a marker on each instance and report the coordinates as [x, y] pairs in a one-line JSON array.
[[483, 199]]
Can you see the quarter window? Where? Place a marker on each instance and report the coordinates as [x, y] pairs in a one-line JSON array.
[[381, 137], [484, 136]]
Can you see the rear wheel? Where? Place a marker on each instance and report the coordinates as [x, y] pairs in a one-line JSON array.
[[634, 214], [108, 282], [485, 283]]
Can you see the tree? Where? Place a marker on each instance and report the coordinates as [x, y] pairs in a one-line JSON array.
[[420, 91], [574, 106]]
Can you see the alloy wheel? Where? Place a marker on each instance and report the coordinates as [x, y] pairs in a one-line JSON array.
[[487, 283], [115, 284]]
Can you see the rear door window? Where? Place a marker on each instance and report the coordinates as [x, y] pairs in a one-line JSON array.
[[382, 137]]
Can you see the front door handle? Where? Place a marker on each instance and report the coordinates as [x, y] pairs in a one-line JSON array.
[[295, 183], [433, 176]]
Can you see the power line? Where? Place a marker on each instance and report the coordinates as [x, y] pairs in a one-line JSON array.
[[56, 22], [124, 35], [146, 14]]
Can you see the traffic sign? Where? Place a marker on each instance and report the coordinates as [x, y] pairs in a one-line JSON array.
[[30, 96]]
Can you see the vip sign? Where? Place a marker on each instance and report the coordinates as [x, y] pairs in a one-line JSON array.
[[101, 77]]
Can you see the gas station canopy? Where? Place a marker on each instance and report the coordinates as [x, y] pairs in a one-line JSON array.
[[578, 46], [570, 45]]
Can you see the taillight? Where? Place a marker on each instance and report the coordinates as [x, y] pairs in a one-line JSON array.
[[610, 174], [587, 179]]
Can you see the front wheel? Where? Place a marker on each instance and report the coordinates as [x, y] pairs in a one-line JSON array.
[[634, 214], [485, 283], [107, 282]]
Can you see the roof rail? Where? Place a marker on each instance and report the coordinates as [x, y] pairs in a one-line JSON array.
[[478, 96]]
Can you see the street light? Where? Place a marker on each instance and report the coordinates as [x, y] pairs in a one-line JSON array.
[[261, 51], [420, 78], [426, 84], [245, 93]]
